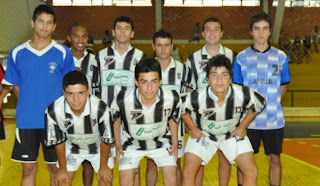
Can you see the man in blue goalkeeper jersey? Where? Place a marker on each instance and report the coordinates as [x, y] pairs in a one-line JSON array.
[[264, 69]]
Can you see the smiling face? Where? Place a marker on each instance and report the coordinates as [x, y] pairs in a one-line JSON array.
[[43, 25], [122, 32], [148, 84], [212, 33], [162, 48], [76, 97], [261, 32], [78, 38], [219, 79]]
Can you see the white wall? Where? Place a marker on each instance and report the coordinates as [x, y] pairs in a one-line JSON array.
[[15, 16]]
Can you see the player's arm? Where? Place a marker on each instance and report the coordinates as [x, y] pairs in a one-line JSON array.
[[174, 137], [104, 174], [195, 132], [283, 90], [62, 173], [241, 130], [117, 137]]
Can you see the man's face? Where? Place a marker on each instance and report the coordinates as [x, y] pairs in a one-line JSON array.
[[212, 33], [76, 97], [261, 32], [162, 47], [123, 32], [78, 38], [43, 26], [219, 79], [148, 84]]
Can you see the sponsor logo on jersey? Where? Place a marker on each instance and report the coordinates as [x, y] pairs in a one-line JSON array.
[[136, 114], [211, 125], [208, 113], [205, 80], [52, 67], [108, 60]]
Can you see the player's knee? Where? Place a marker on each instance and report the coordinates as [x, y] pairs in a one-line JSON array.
[[170, 181], [29, 169], [188, 174], [52, 168], [275, 160], [251, 173]]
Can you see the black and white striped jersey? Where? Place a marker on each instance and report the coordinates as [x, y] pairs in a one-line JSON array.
[[83, 133], [196, 66], [89, 67], [173, 76], [173, 79], [117, 72], [219, 121], [146, 128]]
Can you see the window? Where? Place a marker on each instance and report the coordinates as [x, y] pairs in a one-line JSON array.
[[299, 3], [101, 3], [211, 3]]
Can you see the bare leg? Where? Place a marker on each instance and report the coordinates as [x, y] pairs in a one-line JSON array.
[[151, 173], [224, 169], [29, 174], [137, 178], [179, 173], [247, 165], [127, 177], [200, 176], [87, 173], [192, 164], [168, 173], [52, 170], [275, 172]]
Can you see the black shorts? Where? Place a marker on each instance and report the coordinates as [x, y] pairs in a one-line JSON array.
[[2, 133], [272, 140], [26, 147]]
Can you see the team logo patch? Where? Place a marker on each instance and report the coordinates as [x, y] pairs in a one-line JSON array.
[[108, 60], [203, 63], [136, 114], [135, 61], [67, 123], [208, 113], [52, 67], [124, 160], [179, 75], [70, 160], [238, 110]]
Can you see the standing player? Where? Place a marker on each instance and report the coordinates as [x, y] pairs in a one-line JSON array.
[[86, 63], [117, 63], [37, 68], [212, 32], [76, 123], [150, 116], [172, 73], [218, 109], [265, 69]]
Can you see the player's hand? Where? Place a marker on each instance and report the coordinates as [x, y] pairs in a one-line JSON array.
[[105, 176], [196, 133], [174, 150], [61, 177], [239, 131], [119, 152]]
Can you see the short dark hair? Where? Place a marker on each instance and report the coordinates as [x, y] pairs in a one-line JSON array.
[[123, 19], [76, 25], [147, 65], [43, 9], [212, 19], [219, 60], [161, 34], [73, 78], [261, 16]]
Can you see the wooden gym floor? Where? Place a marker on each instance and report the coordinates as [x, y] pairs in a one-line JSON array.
[[300, 162]]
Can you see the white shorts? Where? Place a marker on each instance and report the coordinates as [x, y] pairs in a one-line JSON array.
[[180, 146], [74, 161], [205, 148], [161, 157]]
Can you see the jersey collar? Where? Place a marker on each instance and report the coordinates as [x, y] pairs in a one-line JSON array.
[[213, 95], [41, 52], [256, 50]]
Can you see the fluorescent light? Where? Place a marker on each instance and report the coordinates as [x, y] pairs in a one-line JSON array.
[[81, 2], [61, 2], [250, 2], [212, 3], [231, 3]]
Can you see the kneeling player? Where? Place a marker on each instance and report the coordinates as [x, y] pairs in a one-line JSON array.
[[219, 108], [76, 123], [145, 113]]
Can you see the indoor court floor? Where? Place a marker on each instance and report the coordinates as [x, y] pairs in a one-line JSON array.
[[300, 162]]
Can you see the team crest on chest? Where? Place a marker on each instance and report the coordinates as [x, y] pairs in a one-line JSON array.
[[135, 62], [52, 67], [136, 114], [108, 60], [67, 123]]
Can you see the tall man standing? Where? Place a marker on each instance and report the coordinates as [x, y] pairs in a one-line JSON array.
[[37, 68], [212, 32], [172, 72], [265, 69]]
